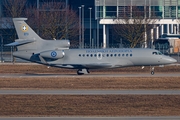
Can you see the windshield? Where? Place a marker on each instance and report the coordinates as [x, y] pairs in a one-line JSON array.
[[156, 53]]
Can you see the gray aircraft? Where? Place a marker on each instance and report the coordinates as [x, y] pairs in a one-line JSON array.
[[56, 53]]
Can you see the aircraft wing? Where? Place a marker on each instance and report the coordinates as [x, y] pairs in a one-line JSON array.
[[89, 66], [97, 65]]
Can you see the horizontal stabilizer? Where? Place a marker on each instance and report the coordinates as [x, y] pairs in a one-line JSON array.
[[20, 42]]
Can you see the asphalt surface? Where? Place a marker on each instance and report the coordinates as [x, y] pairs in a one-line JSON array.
[[90, 92], [92, 75]]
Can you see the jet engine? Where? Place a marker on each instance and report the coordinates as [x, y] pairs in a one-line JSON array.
[[53, 54]]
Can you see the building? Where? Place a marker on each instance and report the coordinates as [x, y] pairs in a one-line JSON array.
[[98, 16]]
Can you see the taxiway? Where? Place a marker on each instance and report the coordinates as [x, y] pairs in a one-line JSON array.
[[90, 75], [90, 92]]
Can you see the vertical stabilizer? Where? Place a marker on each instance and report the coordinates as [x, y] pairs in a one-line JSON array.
[[23, 30]]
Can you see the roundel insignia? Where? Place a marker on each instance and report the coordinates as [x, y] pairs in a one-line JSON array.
[[53, 54], [24, 28]]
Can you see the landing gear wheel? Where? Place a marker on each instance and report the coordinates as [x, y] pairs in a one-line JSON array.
[[79, 72], [152, 72], [82, 71]]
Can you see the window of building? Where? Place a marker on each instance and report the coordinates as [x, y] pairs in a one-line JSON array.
[[111, 12]]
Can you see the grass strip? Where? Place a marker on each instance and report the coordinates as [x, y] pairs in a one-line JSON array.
[[91, 83], [89, 105]]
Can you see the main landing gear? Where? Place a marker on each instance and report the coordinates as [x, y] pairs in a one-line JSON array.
[[82, 71]]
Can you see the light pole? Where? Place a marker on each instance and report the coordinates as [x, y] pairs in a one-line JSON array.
[[97, 18], [90, 27], [82, 26], [2, 49], [79, 27]]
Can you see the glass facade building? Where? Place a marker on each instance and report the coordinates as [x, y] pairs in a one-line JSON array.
[[162, 9], [166, 13], [98, 16]]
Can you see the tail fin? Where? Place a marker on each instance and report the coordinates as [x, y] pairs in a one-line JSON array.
[[23, 30]]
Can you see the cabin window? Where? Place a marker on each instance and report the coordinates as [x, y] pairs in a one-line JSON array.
[[107, 55], [126, 55], [79, 55], [83, 55], [115, 55], [87, 55], [91, 55], [95, 55], [111, 55], [123, 55], [119, 55], [131, 55]]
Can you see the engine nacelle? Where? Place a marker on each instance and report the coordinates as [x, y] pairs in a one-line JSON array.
[[53, 54]]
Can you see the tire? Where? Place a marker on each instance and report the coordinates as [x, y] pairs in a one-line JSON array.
[[152, 72]]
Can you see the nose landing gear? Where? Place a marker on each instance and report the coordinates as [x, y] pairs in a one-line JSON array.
[[152, 70]]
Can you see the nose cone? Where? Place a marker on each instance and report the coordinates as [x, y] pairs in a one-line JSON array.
[[170, 60], [173, 60]]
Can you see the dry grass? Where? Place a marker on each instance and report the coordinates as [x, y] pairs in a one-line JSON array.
[[90, 83], [88, 105], [102, 105]]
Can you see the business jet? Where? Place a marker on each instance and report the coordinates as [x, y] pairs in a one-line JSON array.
[[56, 53]]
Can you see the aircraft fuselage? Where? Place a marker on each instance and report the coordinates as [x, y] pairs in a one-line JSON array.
[[96, 58]]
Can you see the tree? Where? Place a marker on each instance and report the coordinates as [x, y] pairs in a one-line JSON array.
[[14, 8], [133, 24], [54, 20]]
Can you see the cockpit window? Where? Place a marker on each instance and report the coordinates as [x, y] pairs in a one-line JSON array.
[[157, 53], [154, 53]]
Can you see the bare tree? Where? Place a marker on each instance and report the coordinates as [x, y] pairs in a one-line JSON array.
[[14, 8], [133, 24], [55, 20]]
